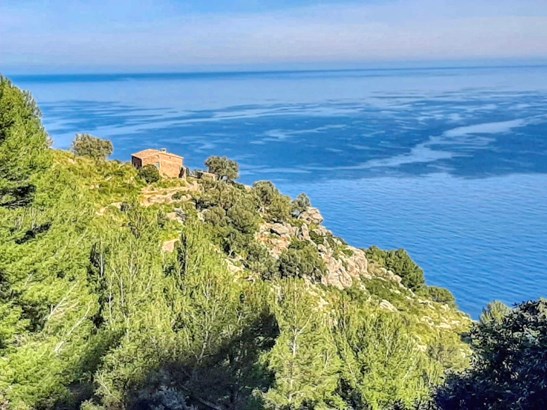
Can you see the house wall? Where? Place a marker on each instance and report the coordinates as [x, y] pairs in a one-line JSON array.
[[169, 166]]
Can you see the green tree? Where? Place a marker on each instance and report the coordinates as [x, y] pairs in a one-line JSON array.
[[304, 358], [86, 145], [383, 366], [494, 312], [509, 367], [223, 167], [24, 146], [275, 206]]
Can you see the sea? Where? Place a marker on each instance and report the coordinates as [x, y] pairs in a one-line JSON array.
[[448, 163]]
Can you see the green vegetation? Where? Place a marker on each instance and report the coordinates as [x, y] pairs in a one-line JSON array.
[[212, 295], [275, 206], [86, 145], [301, 260], [150, 174], [399, 262], [509, 367], [23, 146], [223, 167]]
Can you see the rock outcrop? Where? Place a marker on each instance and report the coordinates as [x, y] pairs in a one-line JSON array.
[[345, 264]]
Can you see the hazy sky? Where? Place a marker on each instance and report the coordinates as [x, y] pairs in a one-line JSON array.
[[166, 35]]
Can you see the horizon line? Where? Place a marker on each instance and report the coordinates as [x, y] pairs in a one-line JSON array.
[[271, 71]]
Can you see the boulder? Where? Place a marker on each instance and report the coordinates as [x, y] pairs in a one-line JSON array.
[[312, 216], [280, 229], [304, 233]]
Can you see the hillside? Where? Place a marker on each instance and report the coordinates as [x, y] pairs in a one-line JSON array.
[[123, 290], [193, 276]]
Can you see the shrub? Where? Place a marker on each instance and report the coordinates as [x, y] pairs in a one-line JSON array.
[[216, 216], [86, 145], [243, 219], [399, 262], [275, 206], [300, 204], [259, 259], [440, 295], [300, 260], [177, 195], [150, 174], [223, 167]]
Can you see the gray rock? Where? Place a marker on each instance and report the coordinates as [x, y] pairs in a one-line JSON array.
[[312, 215], [304, 233], [280, 229]]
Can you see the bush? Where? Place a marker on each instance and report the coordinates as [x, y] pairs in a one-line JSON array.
[[223, 167], [399, 262], [243, 219], [177, 195], [85, 145], [440, 295], [259, 259], [275, 206], [300, 204], [300, 260], [150, 174]]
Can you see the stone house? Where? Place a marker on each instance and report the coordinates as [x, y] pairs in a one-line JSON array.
[[169, 165]]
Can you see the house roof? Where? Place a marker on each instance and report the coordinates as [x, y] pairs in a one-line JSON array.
[[149, 152]]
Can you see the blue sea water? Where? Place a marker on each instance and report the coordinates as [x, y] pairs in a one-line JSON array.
[[449, 163]]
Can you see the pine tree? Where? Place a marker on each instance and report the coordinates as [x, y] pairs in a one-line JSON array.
[[24, 149]]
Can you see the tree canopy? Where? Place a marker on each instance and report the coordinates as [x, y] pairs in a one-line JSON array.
[[510, 361], [223, 167], [24, 145], [86, 145]]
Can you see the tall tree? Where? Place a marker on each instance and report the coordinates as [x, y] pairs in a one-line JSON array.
[[89, 146], [304, 358], [510, 361], [23, 145]]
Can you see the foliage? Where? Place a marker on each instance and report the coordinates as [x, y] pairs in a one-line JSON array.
[[509, 367], [301, 260], [86, 145], [150, 174], [275, 206], [437, 294], [300, 204], [304, 358], [399, 262], [494, 312], [223, 167], [24, 152], [95, 313], [383, 365]]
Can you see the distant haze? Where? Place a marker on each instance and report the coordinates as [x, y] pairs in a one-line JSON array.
[[169, 35]]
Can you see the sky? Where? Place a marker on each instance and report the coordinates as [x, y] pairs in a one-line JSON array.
[[72, 36]]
